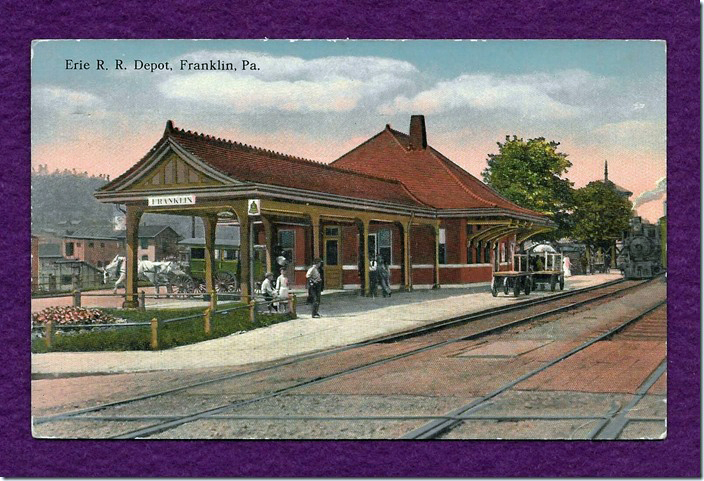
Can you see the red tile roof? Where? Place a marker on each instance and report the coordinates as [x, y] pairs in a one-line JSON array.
[[429, 175], [246, 163]]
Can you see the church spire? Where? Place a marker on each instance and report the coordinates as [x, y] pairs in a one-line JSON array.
[[606, 171]]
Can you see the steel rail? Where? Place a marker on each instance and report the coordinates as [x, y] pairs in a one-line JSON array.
[[399, 336], [612, 427], [158, 428], [435, 428], [408, 417]]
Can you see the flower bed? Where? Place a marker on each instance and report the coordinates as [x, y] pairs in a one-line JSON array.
[[73, 315]]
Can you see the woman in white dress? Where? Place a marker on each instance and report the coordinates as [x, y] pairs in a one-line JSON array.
[[566, 266], [282, 290]]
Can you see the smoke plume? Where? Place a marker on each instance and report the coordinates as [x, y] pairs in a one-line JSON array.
[[654, 194]]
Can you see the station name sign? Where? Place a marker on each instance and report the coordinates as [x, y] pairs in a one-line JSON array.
[[168, 200]]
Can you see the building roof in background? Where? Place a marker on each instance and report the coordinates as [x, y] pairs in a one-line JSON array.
[[219, 242], [428, 174], [621, 190], [50, 250], [148, 231], [106, 233]]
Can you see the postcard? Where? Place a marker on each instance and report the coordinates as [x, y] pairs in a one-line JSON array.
[[326, 240]]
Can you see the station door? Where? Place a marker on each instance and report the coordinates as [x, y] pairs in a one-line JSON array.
[[332, 244]]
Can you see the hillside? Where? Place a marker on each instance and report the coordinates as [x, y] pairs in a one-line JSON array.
[[63, 201]]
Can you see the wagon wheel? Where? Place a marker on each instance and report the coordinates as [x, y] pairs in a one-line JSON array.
[[528, 285], [516, 286], [183, 284], [494, 289], [562, 282], [225, 282], [553, 282], [506, 285]]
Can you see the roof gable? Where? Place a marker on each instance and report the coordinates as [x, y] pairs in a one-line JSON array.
[[428, 174], [235, 163]]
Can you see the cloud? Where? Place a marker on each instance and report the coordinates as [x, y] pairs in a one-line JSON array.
[[292, 84], [65, 101], [554, 96], [632, 134]]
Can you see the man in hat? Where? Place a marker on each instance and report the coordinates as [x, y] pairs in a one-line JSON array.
[[268, 290], [315, 284]]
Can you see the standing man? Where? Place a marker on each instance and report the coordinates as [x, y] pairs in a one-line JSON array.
[[315, 284]]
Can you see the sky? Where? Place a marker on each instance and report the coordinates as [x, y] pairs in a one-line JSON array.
[[600, 99]]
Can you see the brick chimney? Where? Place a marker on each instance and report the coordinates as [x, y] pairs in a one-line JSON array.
[[419, 141]]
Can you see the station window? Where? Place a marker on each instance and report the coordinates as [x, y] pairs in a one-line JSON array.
[[384, 242], [102, 244], [145, 257], [66, 279], [478, 253], [69, 249], [332, 231], [287, 243], [90, 244], [143, 243], [442, 247], [230, 254]]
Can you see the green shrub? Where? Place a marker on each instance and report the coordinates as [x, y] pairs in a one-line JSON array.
[[171, 334]]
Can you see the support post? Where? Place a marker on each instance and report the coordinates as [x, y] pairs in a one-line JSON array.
[[142, 301], [252, 311], [365, 256], [292, 304], [315, 222], [206, 320], [77, 298], [268, 241], [132, 243], [245, 251], [209, 227], [154, 344], [49, 333]]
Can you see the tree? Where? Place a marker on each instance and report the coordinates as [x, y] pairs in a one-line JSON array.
[[600, 215], [529, 173]]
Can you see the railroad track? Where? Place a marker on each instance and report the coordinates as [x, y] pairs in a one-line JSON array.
[[164, 423], [612, 424]]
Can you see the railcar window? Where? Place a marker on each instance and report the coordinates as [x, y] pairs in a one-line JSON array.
[[230, 254], [198, 253]]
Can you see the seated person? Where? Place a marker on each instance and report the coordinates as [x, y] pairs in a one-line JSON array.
[[268, 290]]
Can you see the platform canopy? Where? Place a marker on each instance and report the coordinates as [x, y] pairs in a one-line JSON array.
[[190, 173]]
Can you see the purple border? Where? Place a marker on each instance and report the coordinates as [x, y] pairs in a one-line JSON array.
[[675, 21]]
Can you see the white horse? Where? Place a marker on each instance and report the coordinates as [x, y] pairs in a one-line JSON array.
[[157, 273]]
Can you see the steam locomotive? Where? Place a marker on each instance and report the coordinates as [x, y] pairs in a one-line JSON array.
[[642, 254]]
